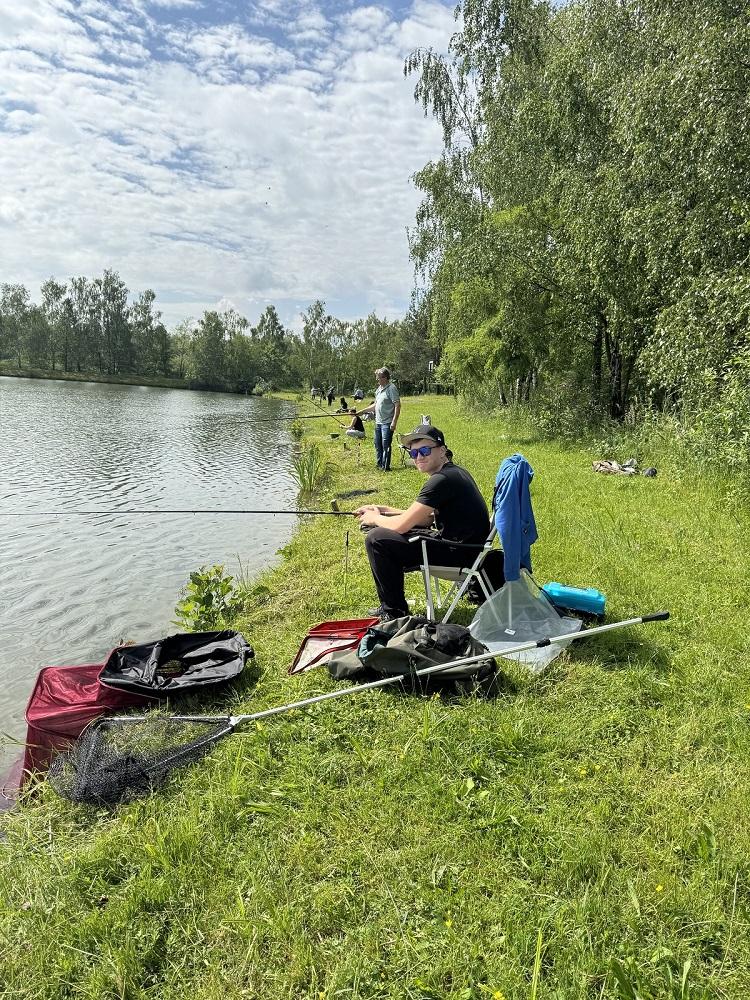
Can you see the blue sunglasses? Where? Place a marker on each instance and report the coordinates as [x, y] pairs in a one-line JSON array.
[[424, 451]]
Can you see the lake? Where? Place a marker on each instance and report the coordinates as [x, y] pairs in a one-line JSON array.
[[73, 587]]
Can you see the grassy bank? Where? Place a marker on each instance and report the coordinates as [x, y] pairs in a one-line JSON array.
[[60, 376], [584, 835]]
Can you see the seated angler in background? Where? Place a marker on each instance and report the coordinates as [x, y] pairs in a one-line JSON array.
[[356, 428], [450, 501]]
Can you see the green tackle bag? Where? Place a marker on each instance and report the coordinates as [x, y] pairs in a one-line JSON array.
[[405, 645]]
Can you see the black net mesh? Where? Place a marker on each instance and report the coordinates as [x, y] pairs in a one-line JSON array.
[[117, 760]]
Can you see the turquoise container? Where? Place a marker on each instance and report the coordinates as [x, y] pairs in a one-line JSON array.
[[589, 600]]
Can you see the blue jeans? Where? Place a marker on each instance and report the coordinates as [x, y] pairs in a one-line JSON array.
[[383, 438]]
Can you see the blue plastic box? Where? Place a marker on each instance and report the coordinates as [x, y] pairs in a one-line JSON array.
[[589, 600]]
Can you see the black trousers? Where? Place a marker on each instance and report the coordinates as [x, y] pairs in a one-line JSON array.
[[392, 555]]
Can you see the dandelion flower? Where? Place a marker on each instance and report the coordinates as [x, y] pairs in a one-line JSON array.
[[448, 922], [660, 888], [498, 995]]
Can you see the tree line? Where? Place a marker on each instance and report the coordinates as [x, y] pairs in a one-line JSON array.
[[584, 237], [94, 326]]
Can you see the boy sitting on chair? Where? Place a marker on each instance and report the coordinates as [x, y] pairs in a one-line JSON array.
[[449, 501]]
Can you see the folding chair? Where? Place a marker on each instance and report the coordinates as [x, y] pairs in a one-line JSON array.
[[459, 577]]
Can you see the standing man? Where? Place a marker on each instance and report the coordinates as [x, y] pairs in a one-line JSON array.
[[387, 407]]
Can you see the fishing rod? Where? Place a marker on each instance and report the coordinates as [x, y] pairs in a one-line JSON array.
[[309, 416], [93, 513]]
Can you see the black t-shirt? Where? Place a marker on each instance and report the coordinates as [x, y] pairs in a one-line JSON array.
[[356, 424], [460, 509]]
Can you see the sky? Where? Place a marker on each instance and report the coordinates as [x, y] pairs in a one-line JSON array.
[[222, 153]]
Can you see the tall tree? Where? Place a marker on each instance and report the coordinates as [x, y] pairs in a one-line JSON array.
[[314, 346], [144, 335], [114, 330], [53, 296], [14, 308], [273, 339], [209, 349], [85, 348], [181, 348]]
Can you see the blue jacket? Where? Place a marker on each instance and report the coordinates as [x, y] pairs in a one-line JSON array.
[[514, 518]]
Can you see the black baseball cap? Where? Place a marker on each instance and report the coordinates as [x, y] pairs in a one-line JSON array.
[[422, 432]]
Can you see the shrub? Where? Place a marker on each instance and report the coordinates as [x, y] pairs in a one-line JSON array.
[[208, 601]]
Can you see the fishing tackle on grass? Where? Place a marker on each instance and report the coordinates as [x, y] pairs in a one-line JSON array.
[[121, 758]]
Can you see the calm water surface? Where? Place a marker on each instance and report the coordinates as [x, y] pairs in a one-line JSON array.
[[73, 587]]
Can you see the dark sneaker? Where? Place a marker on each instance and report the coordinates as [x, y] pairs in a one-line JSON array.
[[389, 616], [386, 614]]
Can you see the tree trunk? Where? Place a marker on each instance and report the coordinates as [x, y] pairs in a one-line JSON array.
[[616, 399], [600, 327]]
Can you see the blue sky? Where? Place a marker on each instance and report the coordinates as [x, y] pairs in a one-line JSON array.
[[221, 153]]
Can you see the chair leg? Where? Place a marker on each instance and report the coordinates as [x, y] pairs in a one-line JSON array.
[[427, 582], [459, 594], [428, 593]]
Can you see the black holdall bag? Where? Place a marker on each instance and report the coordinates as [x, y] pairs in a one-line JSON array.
[[180, 663], [405, 645]]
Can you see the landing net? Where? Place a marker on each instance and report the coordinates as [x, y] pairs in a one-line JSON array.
[[117, 760]]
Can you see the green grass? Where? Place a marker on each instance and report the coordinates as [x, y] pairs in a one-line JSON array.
[[584, 835]]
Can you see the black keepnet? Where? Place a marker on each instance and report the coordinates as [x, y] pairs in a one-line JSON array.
[[178, 663]]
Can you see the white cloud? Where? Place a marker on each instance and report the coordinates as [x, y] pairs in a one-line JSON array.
[[214, 161], [11, 209]]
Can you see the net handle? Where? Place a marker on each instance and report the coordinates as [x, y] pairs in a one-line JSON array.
[[232, 721]]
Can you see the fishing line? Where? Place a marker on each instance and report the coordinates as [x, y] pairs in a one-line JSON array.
[[92, 513]]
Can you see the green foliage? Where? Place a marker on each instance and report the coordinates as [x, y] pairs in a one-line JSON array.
[[86, 326], [309, 468], [209, 601], [590, 210], [296, 429]]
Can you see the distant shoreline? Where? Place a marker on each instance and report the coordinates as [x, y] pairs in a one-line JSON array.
[[144, 380]]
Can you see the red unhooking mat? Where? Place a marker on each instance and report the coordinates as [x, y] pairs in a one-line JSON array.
[[327, 638], [63, 702]]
